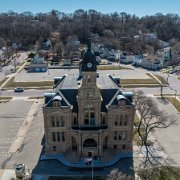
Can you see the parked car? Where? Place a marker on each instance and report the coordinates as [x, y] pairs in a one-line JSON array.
[[20, 171], [18, 89]]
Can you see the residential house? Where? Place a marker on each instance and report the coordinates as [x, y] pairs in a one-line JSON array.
[[38, 64]]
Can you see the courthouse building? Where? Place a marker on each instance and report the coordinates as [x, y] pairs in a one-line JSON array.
[[88, 113]]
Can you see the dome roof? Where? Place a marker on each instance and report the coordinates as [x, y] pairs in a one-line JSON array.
[[119, 97], [57, 98]]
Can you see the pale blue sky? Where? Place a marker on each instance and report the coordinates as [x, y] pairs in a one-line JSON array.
[[137, 7]]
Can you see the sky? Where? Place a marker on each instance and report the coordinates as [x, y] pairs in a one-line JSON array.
[[138, 7]]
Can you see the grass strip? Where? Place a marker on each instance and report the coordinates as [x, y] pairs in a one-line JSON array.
[[150, 80], [3, 80], [160, 173], [141, 85], [5, 98], [13, 84], [174, 102], [38, 97], [112, 68], [162, 80]]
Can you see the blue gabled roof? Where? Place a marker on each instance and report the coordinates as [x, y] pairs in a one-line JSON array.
[[71, 97], [107, 95], [50, 97]]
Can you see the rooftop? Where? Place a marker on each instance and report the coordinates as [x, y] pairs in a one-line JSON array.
[[73, 82], [67, 90]]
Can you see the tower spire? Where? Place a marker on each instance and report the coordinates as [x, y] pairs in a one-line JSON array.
[[89, 43]]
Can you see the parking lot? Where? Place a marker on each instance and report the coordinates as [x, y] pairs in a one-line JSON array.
[[51, 73], [12, 115]]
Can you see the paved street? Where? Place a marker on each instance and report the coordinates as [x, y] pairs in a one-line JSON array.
[[26, 93], [169, 137], [7, 69]]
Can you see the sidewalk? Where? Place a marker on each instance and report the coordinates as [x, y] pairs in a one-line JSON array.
[[82, 164], [12, 75], [7, 174]]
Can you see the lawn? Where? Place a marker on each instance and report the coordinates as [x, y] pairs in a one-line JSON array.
[[162, 80], [36, 97], [107, 67], [5, 98], [136, 119], [148, 81], [160, 173], [174, 102], [140, 85], [3, 80], [13, 84], [138, 81], [136, 138]]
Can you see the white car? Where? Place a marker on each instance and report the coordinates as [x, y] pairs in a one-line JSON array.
[[19, 89]]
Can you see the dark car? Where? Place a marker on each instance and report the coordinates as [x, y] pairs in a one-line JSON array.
[[19, 89]]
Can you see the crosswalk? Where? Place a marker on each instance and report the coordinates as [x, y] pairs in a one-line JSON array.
[[4, 154], [7, 140]]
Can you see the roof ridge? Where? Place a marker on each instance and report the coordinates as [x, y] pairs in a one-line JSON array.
[[64, 98]]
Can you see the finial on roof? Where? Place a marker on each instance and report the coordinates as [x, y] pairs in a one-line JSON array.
[[89, 42]]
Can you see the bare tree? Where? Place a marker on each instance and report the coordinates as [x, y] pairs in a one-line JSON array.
[[14, 62], [118, 175], [150, 119], [59, 48], [161, 91], [2, 43]]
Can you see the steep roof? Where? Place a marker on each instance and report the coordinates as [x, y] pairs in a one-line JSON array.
[[67, 89]]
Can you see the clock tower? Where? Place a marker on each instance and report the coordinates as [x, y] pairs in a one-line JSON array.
[[89, 60], [89, 96]]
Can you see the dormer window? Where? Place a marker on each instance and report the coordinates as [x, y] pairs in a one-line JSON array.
[[57, 101], [121, 100], [56, 104]]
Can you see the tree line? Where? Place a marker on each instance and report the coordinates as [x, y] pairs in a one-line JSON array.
[[116, 29]]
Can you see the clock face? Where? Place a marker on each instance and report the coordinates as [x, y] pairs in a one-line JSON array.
[[90, 93], [89, 65]]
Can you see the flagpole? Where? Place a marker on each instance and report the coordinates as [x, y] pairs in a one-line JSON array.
[[92, 167]]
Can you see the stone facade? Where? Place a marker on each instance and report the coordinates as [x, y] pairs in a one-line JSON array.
[[89, 119]]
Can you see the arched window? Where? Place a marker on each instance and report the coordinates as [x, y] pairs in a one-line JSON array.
[[122, 102], [115, 135], [88, 79], [75, 120], [89, 116], [90, 143], [56, 103]]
